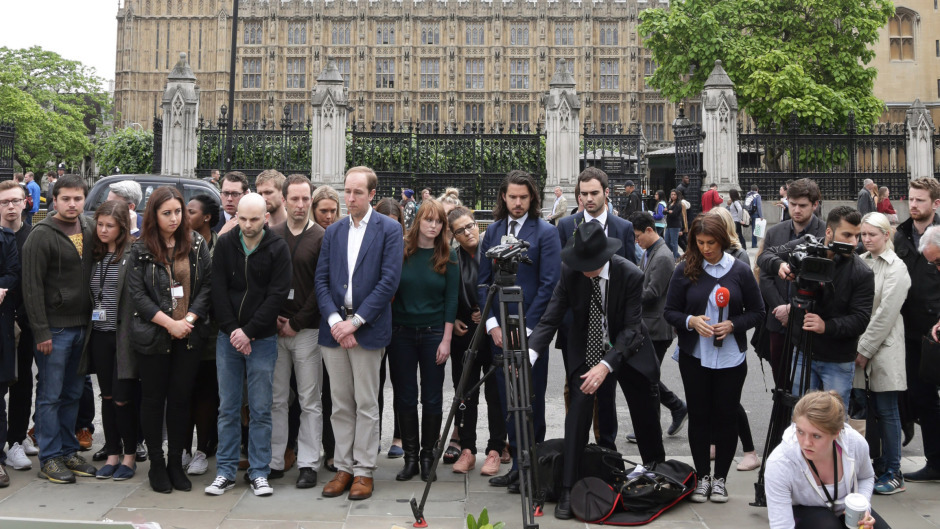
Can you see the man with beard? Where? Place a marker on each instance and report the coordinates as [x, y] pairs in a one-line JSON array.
[[234, 187], [269, 185], [920, 312]]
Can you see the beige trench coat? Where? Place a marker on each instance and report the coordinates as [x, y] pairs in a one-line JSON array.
[[883, 340]]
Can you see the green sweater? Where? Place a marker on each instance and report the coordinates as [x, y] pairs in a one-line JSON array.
[[56, 279], [426, 298]]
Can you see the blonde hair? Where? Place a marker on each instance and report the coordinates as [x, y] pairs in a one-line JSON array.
[[824, 409], [880, 221], [729, 225], [451, 196]]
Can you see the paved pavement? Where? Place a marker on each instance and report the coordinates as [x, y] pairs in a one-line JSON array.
[[452, 498]]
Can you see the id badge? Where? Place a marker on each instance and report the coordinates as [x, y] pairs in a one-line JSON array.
[[177, 291], [290, 295], [99, 315]]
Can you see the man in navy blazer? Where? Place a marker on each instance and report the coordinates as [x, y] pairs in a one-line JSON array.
[[593, 190], [517, 213], [356, 326]]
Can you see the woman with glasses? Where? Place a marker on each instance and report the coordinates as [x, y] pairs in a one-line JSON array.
[[467, 235], [169, 283]]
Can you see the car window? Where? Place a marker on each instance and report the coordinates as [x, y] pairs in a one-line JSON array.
[[192, 190]]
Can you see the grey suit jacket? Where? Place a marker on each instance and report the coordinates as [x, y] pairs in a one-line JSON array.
[[772, 288], [866, 203], [656, 275]]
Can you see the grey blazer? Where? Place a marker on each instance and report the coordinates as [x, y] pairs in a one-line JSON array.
[[656, 275], [772, 288]]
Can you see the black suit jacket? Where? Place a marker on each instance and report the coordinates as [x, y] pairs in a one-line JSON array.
[[617, 228], [625, 319]]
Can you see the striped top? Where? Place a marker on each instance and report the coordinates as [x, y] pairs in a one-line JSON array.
[[106, 297]]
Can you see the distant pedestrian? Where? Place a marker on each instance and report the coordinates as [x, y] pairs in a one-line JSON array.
[[34, 195], [711, 198]]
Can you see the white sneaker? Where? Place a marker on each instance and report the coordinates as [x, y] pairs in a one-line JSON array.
[[199, 465], [16, 456], [261, 487], [29, 447], [187, 457], [220, 485]]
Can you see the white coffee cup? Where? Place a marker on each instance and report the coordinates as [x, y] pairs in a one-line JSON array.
[[856, 508]]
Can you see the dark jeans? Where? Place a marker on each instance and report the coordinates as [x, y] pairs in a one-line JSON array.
[[118, 412], [713, 397], [58, 392], [739, 229], [823, 518], [383, 372], [167, 382], [204, 409], [467, 417], [410, 351], [925, 403], [21, 392]]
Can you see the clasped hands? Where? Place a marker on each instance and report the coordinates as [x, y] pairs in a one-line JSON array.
[[344, 333], [719, 330]]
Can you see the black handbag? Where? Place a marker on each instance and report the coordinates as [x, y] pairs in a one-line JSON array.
[[930, 361]]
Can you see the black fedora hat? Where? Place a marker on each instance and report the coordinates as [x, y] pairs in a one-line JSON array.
[[590, 248]]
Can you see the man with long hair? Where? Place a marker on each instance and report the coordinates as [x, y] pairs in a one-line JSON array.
[[517, 214]]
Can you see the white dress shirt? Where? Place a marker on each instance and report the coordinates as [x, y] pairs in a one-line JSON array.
[[353, 246], [602, 218], [491, 322]]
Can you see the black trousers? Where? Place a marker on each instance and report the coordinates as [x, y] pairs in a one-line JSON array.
[[467, 417], [642, 397], [118, 410], [167, 382], [21, 392], [925, 402], [204, 409], [713, 397], [606, 424], [666, 397], [823, 518]]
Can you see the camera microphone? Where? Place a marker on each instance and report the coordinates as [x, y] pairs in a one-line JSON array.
[[722, 296]]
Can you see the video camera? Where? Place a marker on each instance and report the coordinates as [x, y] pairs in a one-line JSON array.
[[506, 256], [809, 261]]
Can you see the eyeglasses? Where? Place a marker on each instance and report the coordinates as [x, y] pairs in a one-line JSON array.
[[465, 229], [14, 201], [231, 194], [931, 263]]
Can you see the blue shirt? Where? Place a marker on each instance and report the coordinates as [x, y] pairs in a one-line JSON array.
[[717, 357], [33, 188]]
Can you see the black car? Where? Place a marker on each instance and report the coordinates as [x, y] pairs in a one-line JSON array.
[[188, 187]]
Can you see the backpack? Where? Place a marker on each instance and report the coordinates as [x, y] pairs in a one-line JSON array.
[[745, 217], [638, 500], [596, 461]]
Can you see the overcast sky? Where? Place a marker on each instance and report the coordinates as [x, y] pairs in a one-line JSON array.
[[81, 30]]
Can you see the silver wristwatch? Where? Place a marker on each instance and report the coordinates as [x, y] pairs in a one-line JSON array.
[[357, 321]]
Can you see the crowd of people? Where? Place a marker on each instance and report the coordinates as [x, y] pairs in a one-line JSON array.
[[267, 326]]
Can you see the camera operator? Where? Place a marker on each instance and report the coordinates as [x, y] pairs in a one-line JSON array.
[[803, 197], [517, 214], [842, 310], [918, 237]]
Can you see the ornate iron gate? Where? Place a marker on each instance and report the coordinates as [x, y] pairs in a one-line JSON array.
[[7, 142], [621, 153], [689, 161]]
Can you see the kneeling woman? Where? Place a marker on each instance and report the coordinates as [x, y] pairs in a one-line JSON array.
[[817, 464], [169, 282]]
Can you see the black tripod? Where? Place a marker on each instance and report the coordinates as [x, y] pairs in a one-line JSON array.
[[807, 293], [517, 373]]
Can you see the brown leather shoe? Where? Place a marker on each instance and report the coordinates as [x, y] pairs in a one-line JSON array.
[[361, 488], [338, 485]]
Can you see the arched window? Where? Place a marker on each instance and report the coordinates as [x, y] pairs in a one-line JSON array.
[[902, 29]]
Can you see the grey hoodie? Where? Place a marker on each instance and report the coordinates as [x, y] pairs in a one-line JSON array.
[[789, 481], [56, 278]]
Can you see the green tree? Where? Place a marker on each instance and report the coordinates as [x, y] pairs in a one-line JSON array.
[[807, 56], [54, 102], [130, 150]]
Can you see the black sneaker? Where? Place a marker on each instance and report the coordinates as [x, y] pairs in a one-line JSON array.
[[79, 466], [101, 455], [219, 486], [261, 487], [55, 471], [678, 420], [925, 475]]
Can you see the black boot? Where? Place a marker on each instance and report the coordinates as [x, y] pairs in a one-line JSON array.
[[174, 467], [159, 480], [408, 423], [430, 431]]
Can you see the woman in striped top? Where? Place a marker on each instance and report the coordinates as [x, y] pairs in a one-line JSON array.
[[115, 377]]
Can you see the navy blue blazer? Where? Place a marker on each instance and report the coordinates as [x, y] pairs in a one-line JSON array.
[[617, 228], [538, 279], [376, 275]]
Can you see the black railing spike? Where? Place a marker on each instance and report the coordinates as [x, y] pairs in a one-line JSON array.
[[373, 125]]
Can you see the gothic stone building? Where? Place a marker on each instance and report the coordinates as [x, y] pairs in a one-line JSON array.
[[425, 62]]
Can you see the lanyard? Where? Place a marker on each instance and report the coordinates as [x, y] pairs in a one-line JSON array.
[[835, 479], [102, 276]]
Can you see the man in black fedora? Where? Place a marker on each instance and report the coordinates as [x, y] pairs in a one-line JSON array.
[[607, 337]]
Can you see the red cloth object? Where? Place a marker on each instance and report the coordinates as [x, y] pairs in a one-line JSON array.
[[711, 199], [885, 207]]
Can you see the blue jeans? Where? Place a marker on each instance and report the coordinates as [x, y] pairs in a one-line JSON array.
[[672, 241], [58, 392], [836, 376], [232, 368], [889, 421], [412, 350]]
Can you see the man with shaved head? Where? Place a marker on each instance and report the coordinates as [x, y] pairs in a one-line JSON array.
[[252, 279]]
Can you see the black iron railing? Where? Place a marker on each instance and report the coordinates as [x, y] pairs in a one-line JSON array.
[[621, 153], [7, 144], [838, 158], [688, 137]]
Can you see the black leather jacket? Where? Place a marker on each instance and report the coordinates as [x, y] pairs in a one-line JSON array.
[[148, 284], [467, 301]]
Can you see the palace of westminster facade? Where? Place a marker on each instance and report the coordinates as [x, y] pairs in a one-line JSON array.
[[404, 61]]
